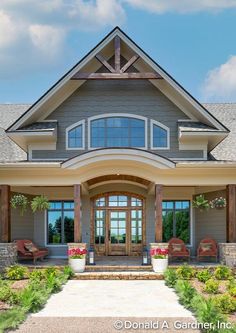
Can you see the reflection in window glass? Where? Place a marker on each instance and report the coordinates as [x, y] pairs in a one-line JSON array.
[[100, 202], [176, 220], [136, 226], [160, 136], [118, 201], [117, 132], [60, 221], [100, 226], [75, 136]]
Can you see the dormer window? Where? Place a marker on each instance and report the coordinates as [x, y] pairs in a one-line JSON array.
[[118, 131], [75, 136], [160, 136]]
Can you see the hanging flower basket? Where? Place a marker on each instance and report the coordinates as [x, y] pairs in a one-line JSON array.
[[40, 203], [201, 203], [218, 203], [19, 201]]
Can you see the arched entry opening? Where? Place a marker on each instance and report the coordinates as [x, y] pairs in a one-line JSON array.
[[118, 223]]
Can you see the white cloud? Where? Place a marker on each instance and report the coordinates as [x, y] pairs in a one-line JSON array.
[[46, 38], [220, 83], [8, 31], [182, 6]]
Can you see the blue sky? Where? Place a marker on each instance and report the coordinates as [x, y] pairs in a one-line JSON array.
[[195, 41]]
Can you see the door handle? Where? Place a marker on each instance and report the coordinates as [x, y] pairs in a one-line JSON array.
[[109, 235]]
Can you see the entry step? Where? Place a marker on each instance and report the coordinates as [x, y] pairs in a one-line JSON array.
[[117, 268], [145, 275]]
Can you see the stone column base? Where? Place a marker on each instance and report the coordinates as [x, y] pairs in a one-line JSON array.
[[227, 253], [8, 255]]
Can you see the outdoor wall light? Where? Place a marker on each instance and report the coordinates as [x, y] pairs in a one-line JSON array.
[[145, 257], [91, 258]]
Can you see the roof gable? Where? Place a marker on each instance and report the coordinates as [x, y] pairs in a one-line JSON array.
[[67, 85]]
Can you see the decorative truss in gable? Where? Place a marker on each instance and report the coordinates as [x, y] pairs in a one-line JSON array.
[[117, 72]]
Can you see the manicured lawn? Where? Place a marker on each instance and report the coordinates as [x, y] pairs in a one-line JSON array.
[[209, 293], [23, 292]]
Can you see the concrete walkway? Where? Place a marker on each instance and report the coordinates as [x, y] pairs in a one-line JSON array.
[[94, 306]]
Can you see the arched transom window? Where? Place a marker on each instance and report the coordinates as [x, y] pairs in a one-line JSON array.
[[75, 136], [118, 131], [160, 136]]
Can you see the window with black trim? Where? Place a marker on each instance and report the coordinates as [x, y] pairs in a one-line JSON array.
[[117, 132], [60, 222], [176, 220]]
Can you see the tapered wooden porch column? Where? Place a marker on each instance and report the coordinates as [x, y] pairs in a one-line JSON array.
[[231, 213], [77, 214], [5, 214], [158, 212]]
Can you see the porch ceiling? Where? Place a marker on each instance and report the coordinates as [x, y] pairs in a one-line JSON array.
[[108, 178]]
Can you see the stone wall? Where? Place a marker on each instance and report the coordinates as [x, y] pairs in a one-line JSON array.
[[227, 253], [8, 255]]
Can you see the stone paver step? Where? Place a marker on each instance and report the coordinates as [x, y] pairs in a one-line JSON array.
[[126, 275], [117, 268]]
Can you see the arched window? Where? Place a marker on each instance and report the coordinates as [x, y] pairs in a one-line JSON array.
[[75, 136], [118, 131], [160, 136]]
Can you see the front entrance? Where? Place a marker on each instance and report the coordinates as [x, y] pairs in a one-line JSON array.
[[118, 224], [118, 232]]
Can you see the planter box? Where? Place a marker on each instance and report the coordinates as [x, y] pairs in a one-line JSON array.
[[78, 265], [159, 265]]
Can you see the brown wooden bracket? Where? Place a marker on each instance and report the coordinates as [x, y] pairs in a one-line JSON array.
[[117, 73]]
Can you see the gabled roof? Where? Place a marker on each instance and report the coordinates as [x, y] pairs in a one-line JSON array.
[[65, 86]]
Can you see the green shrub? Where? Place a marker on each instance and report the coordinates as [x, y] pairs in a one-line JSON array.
[[225, 303], [11, 318], [211, 286], [52, 271], [222, 273], [171, 277], [37, 274], [16, 272], [206, 312], [8, 295], [203, 275], [231, 287], [185, 292], [32, 300], [68, 271], [53, 284], [185, 272]]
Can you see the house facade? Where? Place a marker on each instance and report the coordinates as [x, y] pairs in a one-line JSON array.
[[121, 150]]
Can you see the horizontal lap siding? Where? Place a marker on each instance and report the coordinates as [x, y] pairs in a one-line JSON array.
[[98, 97], [211, 223]]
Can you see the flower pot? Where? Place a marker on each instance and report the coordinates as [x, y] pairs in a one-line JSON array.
[[78, 265], [159, 265]]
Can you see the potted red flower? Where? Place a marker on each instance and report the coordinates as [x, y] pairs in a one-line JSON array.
[[159, 259], [77, 259]]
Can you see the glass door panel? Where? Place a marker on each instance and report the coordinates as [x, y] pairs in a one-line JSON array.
[[117, 232]]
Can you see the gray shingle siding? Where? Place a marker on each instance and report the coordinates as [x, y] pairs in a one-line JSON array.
[[101, 97]]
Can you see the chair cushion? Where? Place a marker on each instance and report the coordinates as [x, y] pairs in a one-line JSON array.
[[205, 247], [177, 247], [30, 247]]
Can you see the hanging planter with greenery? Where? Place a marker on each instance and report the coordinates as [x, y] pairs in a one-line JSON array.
[[19, 201], [218, 203], [201, 203], [40, 203]]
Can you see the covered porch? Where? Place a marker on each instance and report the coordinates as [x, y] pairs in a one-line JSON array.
[[118, 202]]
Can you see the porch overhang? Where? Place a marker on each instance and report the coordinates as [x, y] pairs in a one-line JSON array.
[[119, 154]]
